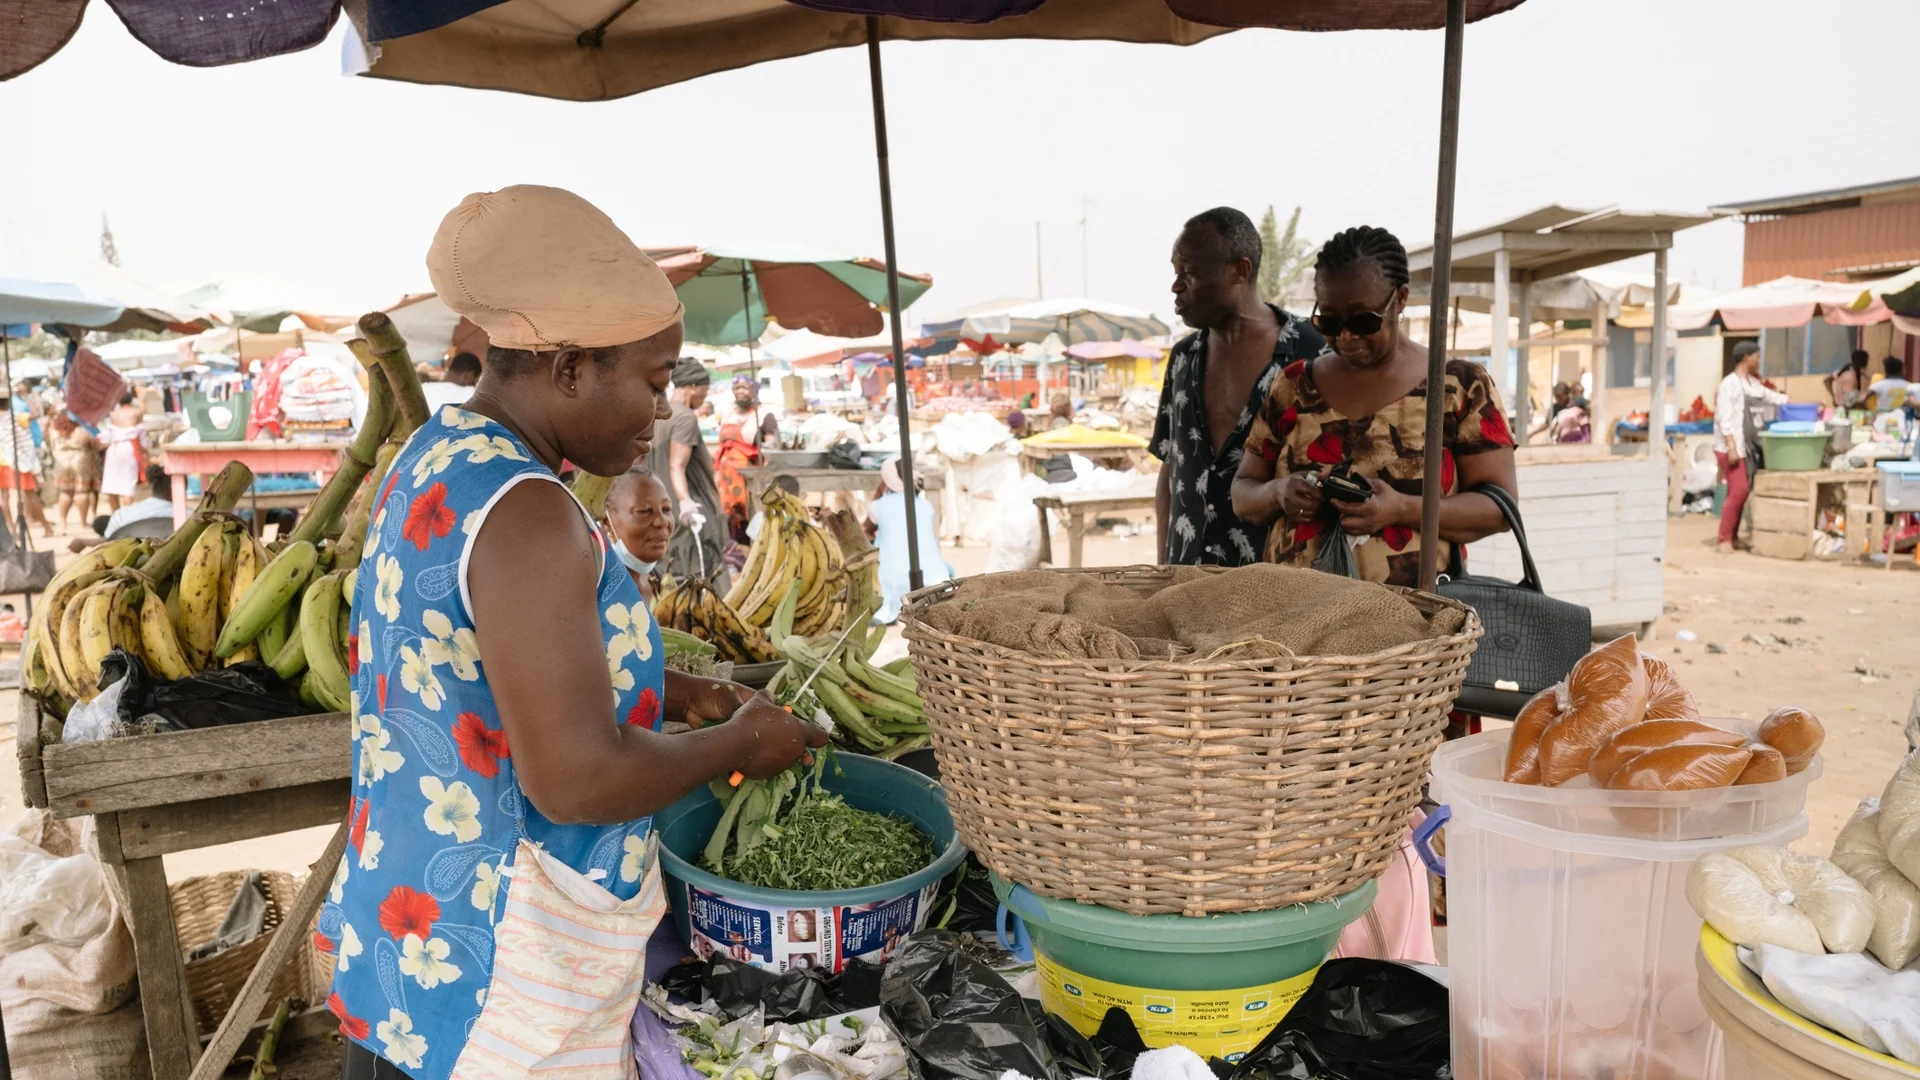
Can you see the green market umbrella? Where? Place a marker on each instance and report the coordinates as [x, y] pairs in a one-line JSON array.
[[732, 292]]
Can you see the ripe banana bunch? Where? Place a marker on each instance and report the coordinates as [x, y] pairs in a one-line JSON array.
[[694, 608], [792, 548]]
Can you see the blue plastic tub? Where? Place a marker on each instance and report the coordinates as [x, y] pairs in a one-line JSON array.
[[777, 929], [1799, 410]]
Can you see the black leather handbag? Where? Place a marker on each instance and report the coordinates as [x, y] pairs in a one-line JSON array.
[[1532, 640]]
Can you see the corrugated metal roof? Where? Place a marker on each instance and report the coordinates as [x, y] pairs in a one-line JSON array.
[[1816, 198]]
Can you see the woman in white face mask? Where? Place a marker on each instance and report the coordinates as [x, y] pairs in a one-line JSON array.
[[640, 517]]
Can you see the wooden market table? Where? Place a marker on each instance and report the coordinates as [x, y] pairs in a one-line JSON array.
[[1077, 506], [150, 795], [182, 460]]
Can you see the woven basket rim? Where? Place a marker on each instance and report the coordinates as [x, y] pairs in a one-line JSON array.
[[917, 602]]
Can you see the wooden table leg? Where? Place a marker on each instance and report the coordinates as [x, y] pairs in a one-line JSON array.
[[1076, 536], [1046, 537], [179, 499], [173, 1039]]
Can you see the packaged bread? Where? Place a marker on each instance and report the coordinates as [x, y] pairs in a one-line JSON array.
[[1630, 742], [1523, 745], [1666, 698], [1605, 691], [1768, 765], [1895, 940], [1685, 767], [1768, 895], [1796, 733]]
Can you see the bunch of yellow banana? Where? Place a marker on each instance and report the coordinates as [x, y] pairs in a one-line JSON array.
[[791, 547], [211, 595], [693, 607]]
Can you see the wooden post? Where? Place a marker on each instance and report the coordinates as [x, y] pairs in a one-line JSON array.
[[1523, 399], [1657, 412], [1597, 365], [1502, 311]]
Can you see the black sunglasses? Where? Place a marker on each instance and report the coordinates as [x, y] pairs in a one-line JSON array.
[[1360, 324]]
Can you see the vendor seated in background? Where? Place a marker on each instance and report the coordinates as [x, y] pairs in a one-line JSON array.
[[1362, 404], [151, 516], [463, 374], [640, 517]]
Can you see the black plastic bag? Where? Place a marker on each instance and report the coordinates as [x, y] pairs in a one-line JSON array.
[[239, 694], [958, 1018], [1360, 1020], [793, 996]]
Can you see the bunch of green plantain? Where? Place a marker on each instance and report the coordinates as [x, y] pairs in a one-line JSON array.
[[212, 595], [876, 709]]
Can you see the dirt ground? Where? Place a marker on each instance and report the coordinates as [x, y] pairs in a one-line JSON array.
[[1747, 635]]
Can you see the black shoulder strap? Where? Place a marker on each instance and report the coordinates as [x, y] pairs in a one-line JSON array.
[[1510, 510]]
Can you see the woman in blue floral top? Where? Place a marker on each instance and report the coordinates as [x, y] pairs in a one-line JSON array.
[[491, 913]]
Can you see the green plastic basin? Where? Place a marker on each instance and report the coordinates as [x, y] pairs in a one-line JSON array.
[[1216, 983], [1794, 452]]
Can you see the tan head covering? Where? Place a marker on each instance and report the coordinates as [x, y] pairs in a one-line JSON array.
[[538, 268]]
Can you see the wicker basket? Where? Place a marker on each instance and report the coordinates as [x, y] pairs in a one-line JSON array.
[[199, 904], [1188, 786]]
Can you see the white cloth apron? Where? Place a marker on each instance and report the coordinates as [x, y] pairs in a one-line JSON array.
[[569, 962]]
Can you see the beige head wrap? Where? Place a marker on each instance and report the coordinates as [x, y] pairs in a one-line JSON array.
[[538, 268]]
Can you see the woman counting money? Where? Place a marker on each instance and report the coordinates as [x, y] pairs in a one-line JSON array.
[[508, 683]]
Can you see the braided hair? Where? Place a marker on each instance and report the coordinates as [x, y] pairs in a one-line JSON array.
[[1364, 243]]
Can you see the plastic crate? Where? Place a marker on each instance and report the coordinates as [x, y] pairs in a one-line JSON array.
[[1900, 485]]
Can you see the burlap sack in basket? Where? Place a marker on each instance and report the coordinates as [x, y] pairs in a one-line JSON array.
[[1247, 613], [199, 903], [1212, 783]]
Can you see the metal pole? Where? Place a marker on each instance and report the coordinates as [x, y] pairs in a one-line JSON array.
[[20, 519], [915, 580], [1442, 285]]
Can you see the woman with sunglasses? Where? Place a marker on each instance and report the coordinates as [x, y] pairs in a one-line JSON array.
[[1362, 405]]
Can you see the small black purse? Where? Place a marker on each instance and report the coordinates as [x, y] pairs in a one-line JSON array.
[[1532, 640]]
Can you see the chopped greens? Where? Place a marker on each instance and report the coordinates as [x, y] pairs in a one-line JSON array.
[[787, 833]]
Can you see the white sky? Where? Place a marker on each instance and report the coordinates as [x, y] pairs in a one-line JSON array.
[[286, 170]]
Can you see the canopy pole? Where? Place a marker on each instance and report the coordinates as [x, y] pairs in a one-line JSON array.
[[915, 579], [1442, 286], [746, 331]]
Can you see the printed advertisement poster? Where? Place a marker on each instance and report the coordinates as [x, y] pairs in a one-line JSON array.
[[783, 938]]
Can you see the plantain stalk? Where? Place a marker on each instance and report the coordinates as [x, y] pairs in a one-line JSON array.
[[270, 1042], [325, 510], [220, 496], [390, 349], [592, 492], [353, 532]]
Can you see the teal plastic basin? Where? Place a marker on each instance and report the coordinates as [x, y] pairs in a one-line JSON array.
[[866, 784], [1180, 952]]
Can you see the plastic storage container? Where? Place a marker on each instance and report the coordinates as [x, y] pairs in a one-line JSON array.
[[1570, 940], [778, 929], [1900, 485], [1787, 452], [1799, 410], [1215, 984]]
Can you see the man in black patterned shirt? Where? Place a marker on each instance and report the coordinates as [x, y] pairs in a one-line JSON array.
[[1216, 379]]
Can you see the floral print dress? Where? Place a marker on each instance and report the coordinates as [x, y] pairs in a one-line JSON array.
[[1298, 431], [437, 811]]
